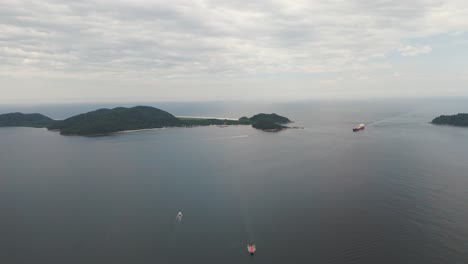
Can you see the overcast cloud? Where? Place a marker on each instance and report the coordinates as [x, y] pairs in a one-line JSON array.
[[205, 50]]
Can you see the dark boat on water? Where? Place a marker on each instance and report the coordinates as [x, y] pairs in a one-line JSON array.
[[359, 128]]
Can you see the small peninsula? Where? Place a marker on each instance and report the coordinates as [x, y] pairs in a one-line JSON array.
[[452, 120], [25, 120], [269, 122], [107, 121], [268, 125], [273, 118]]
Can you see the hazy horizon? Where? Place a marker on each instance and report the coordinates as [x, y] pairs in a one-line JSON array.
[[136, 102], [88, 51]]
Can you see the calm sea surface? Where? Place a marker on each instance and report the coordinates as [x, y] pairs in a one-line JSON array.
[[394, 193]]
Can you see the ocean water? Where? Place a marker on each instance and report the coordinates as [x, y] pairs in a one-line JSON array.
[[396, 192]]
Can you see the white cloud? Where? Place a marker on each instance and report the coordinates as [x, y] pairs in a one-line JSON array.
[[153, 40], [414, 51]]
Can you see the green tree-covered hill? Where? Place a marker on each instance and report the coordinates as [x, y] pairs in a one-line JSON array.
[[25, 120], [453, 120], [105, 121]]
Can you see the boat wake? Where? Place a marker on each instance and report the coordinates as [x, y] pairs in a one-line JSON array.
[[390, 119], [175, 233]]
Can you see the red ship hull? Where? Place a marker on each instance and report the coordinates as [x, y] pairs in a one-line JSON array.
[[251, 249]]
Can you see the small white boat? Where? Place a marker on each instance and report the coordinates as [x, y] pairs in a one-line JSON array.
[[179, 217]]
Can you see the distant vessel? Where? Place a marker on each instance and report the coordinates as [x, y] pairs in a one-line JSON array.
[[179, 217], [251, 248], [359, 127]]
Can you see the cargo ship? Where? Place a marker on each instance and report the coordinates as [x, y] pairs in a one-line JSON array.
[[359, 127]]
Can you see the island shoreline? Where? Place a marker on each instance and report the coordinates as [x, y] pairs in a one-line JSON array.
[[118, 120]]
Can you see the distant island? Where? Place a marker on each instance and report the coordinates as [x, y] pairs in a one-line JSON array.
[[452, 120], [268, 125], [25, 120], [107, 121], [273, 118]]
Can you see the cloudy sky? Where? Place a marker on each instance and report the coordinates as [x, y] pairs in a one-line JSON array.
[[178, 50]]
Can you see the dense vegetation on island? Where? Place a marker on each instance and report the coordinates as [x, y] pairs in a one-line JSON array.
[[25, 120], [452, 120], [269, 122], [273, 118], [267, 125], [207, 122], [106, 121]]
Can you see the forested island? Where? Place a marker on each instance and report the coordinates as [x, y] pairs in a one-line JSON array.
[[269, 122], [452, 120], [106, 121], [25, 120]]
